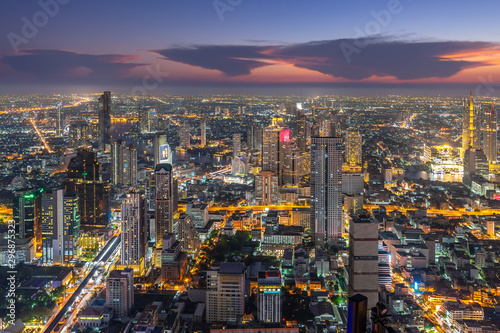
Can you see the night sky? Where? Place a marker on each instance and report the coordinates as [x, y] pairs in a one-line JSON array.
[[159, 46]]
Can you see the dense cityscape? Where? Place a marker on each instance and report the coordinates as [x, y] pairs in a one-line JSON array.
[[249, 166], [249, 213]]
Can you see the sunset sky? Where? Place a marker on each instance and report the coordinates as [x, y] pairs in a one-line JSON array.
[[157, 45]]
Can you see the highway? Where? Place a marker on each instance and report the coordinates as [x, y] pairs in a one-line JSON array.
[[101, 258]]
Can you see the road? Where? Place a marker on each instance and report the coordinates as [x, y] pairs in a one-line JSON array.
[[102, 257]]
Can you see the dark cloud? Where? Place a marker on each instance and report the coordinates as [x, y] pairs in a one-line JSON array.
[[231, 60], [346, 58], [57, 65]]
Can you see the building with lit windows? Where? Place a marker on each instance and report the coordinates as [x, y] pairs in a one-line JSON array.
[[134, 234], [120, 291], [269, 296]]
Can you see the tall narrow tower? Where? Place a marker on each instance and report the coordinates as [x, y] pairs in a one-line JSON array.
[[326, 189], [104, 120], [470, 125], [59, 130], [490, 134], [203, 132]]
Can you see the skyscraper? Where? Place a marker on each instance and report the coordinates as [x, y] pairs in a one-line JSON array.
[[162, 151], [203, 132], [270, 148], [60, 226], [236, 144], [353, 147], [164, 203], [123, 163], [59, 127], [185, 135], [269, 296], [134, 235], [27, 216], [475, 163], [470, 125], [225, 296], [104, 120], [490, 134], [326, 189], [93, 194], [144, 120], [363, 258], [254, 137], [120, 291]]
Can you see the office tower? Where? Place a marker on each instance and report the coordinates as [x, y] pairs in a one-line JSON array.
[[386, 171], [363, 258], [357, 314], [225, 296], [326, 189], [162, 151], [475, 164], [353, 148], [352, 182], [269, 296], [266, 188], [203, 132], [254, 137], [236, 144], [27, 216], [60, 226], [120, 291], [84, 179], [104, 120], [123, 164], [241, 110], [185, 135], [78, 135], [165, 201], [144, 120], [94, 129], [59, 125], [490, 134], [173, 260], [353, 204], [134, 234]]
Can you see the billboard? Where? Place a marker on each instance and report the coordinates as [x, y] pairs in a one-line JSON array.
[[165, 154]]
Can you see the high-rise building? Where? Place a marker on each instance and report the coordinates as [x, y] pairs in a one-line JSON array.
[[93, 193], [173, 260], [254, 137], [134, 234], [269, 296], [470, 125], [266, 188], [363, 258], [162, 151], [165, 199], [354, 144], [144, 120], [185, 230], [27, 216], [326, 189], [300, 130], [236, 144], [490, 134], [120, 291], [475, 163], [78, 134], [185, 135], [60, 227], [291, 160], [225, 296], [203, 132], [123, 163], [59, 125], [104, 120], [270, 148]]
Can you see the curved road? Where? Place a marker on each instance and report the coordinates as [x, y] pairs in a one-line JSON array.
[[101, 257]]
